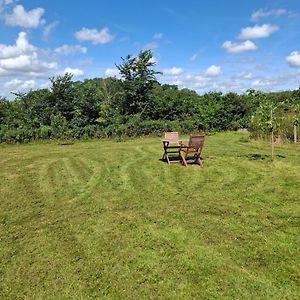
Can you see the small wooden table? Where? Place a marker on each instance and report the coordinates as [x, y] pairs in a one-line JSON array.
[[173, 149]]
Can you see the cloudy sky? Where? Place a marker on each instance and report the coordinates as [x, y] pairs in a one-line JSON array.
[[206, 45]]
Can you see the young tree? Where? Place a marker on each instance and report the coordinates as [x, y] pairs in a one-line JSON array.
[[138, 79], [266, 118], [111, 96], [296, 108]]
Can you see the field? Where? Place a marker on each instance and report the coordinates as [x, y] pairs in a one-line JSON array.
[[108, 219]]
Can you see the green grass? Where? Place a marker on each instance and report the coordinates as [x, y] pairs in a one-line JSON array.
[[109, 220]]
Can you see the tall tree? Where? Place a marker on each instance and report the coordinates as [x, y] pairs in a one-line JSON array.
[[138, 80], [61, 100]]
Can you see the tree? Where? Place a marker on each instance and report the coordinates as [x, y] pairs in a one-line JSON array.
[[61, 100], [296, 113], [4, 110], [138, 80], [111, 96], [266, 118], [86, 102]]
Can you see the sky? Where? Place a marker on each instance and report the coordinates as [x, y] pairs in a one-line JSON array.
[[202, 45]]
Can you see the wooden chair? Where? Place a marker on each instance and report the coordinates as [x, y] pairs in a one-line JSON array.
[[194, 147], [171, 137]]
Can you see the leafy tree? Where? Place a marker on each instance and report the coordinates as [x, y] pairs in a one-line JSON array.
[[4, 110], [32, 107], [59, 125], [86, 102], [62, 96], [268, 122], [112, 96], [138, 81]]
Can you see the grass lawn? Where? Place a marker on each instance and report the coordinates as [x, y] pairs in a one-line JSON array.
[[105, 219]]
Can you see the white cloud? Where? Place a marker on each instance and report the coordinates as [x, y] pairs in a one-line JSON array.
[[213, 71], [23, 58], [244, 76], [26, 63], [20, 85], [112, 72], [197, 54], [74, 71], [257, 31], [293, 59], [283, 81], [239, 47], [45, 85], [22, 46], [173, 71], [4, 4], [201, 81], [262, 82], [262, 13], [94, 36], [70, 50], [151, 46], [194, 57], [18, 63], [158, 36], [47, 30], [238, 83], [20, 17]]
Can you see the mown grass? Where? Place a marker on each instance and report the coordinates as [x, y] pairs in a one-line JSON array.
[[109, 220]]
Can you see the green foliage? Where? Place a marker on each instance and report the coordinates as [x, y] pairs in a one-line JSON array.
[[276, 114], [61, 99], [59, 125], [139, 105], [139, 80]]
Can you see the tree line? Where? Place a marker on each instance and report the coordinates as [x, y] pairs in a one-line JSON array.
[[136, 105]]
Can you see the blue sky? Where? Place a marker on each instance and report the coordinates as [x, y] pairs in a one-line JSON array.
[[203, 45]]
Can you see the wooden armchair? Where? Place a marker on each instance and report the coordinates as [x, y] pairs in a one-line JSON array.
[[194, 148]]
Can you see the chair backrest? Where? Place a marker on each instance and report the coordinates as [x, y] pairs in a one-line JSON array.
[[172, 135], [197, 141]]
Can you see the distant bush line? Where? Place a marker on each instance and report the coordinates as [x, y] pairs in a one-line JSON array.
[[99, 108]]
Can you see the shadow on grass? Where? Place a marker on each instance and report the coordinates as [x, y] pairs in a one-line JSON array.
[[258, 156], [66, 142], [171, 159], [189, 160]]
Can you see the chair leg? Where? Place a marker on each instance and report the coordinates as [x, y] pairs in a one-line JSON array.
[[167, 157], [183, 159], [199, 161]]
